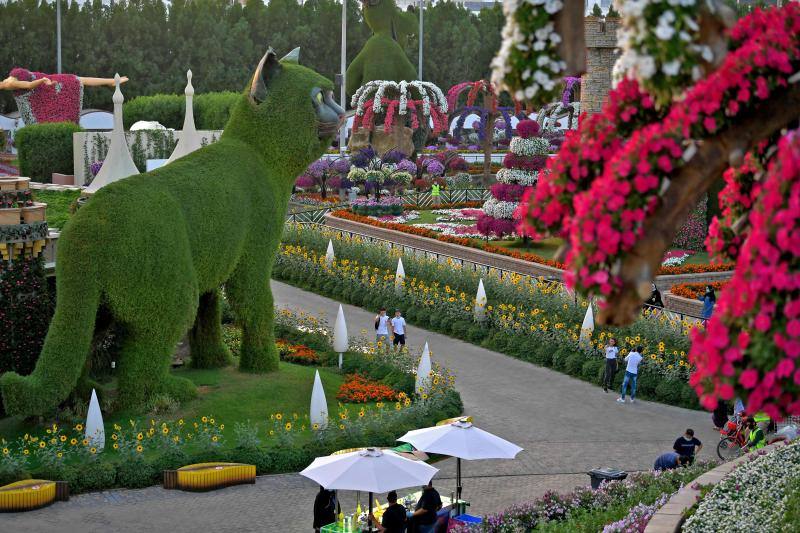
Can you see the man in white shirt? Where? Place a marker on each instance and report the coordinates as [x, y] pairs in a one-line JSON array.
[[611, 363], [399, 330], [382, 328], [631, 374]]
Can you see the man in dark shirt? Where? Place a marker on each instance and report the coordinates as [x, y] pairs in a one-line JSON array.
[[394, 517], [427, 507], [670, 461], [324, 508], [688, 445]]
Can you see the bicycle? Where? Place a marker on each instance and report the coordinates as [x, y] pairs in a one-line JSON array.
[[732, 440]]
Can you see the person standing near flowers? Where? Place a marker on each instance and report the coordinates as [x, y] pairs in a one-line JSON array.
[[382, 328], [611, 363], [709, 299], [654, 302], [631, 374], [399, 330], [435, 192]]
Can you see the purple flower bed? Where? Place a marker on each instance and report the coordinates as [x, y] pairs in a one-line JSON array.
[[637, 518], [692, 235], [498, 227]]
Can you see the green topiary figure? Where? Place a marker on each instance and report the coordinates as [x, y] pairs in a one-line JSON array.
[[382, 57], [153, 247]]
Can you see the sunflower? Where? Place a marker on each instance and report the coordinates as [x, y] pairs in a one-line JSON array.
[[315, 426], [25, 452], [139, 448], [79, 427], [73, 442], [85, 442], [114, 436], [116, 446], [63, 438], [341, 426], [204, 419], [214, 438], [288, 426], [93, 449], [60, 455], [139, 436], [5, 451]]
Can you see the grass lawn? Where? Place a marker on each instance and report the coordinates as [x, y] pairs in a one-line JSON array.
[[58, 203], [227, 394]]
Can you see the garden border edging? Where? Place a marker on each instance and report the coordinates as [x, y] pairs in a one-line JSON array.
[[670, 517]]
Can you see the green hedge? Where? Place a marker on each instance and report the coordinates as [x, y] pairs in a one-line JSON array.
[[211, 110], [44, 149]]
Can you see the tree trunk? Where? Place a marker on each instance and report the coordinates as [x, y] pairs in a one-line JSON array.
[[488, 139]]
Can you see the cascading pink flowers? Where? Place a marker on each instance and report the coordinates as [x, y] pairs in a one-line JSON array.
[[392, 113]]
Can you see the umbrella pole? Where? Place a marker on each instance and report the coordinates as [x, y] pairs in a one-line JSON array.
[[458, 480], [369, 522]]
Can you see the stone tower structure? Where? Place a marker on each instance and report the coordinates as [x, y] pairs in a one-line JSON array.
[[601, 53]]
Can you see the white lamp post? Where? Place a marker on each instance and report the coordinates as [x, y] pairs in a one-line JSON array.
[[587, 328], [399, 276], [423, 371], [480, 302], [340, 341], [319, 405], [95, 431], [329, 255]]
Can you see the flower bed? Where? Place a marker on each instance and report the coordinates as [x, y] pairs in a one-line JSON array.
[[585, 509], [752, 497], [297, 353], [360, 389], [694, 290], [525, 256], [526, 318]]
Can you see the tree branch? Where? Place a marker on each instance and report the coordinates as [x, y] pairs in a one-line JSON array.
[[687, 186]]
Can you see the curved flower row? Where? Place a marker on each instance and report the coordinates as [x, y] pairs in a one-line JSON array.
[[609, 217], [760, 305]]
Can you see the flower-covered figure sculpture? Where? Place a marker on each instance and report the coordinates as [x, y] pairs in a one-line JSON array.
[[550, 115], [521, 166], [154, 249], [482, 98], [391, 170], [387, 114], [382, 57], [624, 183], [50, 97]]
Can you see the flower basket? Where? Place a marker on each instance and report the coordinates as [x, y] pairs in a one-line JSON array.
[[10, 216], [34, 213]]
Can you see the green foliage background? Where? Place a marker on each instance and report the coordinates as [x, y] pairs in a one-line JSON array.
[[211, 110], [44, 149], [222, 41]]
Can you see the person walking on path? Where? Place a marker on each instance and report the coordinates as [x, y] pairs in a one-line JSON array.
[[688, 445], [709, 299], [611, 363], [399, 330], [324, 508], [631, 374], [382, 328]]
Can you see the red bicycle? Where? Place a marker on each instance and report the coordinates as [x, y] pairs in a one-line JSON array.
[[732, 440]]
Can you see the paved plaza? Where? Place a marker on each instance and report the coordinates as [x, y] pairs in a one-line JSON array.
[[566, 426]]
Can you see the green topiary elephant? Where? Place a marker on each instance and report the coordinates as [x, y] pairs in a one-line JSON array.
[[382, 57], [155, 248]]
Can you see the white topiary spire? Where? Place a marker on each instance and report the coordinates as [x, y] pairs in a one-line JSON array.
[[189, 140]]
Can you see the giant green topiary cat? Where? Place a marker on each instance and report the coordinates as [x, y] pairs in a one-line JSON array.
[[152, 246]]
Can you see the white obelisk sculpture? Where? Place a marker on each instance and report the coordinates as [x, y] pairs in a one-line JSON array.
[[329, 255], [400, 276], [340, 341], [189, 140], [587, 328], [319, 405], [95, 431], [480, 302], [423, 382], [118, 163]]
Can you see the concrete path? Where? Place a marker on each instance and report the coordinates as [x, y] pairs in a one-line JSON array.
[[566, 426]]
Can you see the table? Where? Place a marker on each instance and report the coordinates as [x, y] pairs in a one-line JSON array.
[[337, 527]]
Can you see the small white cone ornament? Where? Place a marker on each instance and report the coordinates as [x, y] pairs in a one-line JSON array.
[[340, 341], [189, 140], [423, 382], [400, 276], [480, 302], [95, 431], [319, 405], [329, 255], [587, 328]]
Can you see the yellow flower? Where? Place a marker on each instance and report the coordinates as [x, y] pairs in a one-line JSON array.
[[343, 416], [180, 422], [204, 419], [139, 436], [397, 406], [26, 452], [93, 449], [117, 427], [139, 448], [211, 421], [221, 426], [341, 426], [278, 416], [116, 446], [361, 413], [314, 426], [165, 431], [214, 438], [60, 455], [5, 451], [271, 432], [63, 438], [288, 426], [73, 441], [85, 442], [79, 427], [114, 436]]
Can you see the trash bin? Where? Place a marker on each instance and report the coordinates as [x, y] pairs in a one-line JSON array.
[[600, 474]]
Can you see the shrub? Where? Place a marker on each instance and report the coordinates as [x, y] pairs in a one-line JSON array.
[[211, 110], [573, 365], [95, 475], [162, 404], [44, 149], [136, 474]]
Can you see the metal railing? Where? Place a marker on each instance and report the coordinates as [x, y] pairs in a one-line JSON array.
[[446, 196], [488, 270]]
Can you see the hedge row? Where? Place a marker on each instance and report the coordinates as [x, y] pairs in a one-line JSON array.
[[211, 110], [44, 149], [650, 386]]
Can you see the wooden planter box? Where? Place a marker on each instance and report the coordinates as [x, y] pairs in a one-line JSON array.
[[14, 184], [34, 213], [10, 216]]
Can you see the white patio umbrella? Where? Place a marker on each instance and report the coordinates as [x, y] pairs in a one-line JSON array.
[[462, 440], [371, 470]]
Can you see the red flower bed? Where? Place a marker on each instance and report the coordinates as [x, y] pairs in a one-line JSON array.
[[694, 290], [299, 354], [359, 389]]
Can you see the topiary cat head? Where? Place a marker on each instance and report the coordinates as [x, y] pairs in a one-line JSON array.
[[383, 16], [287, 113]]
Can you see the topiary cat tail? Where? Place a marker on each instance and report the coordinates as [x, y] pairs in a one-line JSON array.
[[65, 348]]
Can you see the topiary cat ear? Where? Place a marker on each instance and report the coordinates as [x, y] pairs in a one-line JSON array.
[[267, 69], [292, 57]]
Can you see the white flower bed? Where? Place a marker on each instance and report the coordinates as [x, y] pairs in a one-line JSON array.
[[529, 147], [455, 230], [455, 215], [397, 219], [676, 260], [429, 93], [516, 176], [752, 497], [500, 209]]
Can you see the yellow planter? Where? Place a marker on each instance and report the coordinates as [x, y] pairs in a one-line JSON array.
[[31, 494], [209, 476]]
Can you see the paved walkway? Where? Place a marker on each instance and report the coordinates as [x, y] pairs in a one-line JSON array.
[[565, 425]]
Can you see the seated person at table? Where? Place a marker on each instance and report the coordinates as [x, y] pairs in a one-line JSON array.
[[324, 508], [670, 460], [428, 505], [394, 517]]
